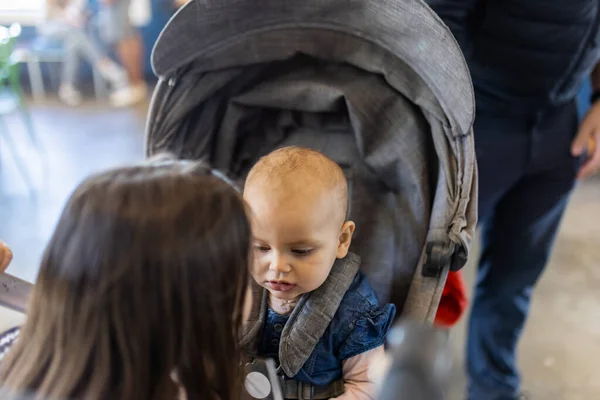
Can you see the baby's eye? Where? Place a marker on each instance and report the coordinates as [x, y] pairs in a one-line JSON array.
[[261, 249], [302, 252]]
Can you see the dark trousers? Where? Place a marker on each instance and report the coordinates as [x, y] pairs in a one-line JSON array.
[[526, 174]]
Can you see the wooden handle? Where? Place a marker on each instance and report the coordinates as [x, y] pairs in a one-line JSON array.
[[14, 292]]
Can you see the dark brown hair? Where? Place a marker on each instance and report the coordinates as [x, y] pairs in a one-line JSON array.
[[144, 276]]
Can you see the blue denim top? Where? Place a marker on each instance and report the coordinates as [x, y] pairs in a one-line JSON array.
[[359, 325]]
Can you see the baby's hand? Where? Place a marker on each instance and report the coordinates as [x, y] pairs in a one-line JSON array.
[[5, 256]]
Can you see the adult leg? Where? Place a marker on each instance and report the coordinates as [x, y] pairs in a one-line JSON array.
[[130, 51], [517, 239], [67, 92], [83, 45], [61, 31], [128, 40], [77, 46], [71, 61], [118, 31]]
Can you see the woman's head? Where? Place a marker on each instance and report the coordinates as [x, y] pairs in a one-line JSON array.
[[145, 274]]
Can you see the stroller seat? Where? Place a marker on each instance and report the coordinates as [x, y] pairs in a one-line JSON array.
[[379, 86]]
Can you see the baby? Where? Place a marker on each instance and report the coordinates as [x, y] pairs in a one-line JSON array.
[[319, 318]]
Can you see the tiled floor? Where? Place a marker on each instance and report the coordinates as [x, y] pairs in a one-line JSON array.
[[561, 364]]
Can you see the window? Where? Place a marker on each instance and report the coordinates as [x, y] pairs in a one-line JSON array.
[[23, 11]]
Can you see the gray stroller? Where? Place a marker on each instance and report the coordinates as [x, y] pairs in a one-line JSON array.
[[380, 86]]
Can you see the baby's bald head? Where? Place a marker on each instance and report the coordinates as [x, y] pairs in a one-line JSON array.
[[298, 201], [296, 170]]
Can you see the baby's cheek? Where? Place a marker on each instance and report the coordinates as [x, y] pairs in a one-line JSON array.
[[255, 273], [258, 264], [316, 275]]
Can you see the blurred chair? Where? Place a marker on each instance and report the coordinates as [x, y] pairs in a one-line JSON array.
[[12, 99]]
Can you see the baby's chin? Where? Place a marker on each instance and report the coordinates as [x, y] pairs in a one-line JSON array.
[[290, 295]]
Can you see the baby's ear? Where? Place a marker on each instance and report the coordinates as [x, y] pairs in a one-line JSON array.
[[345, 239]]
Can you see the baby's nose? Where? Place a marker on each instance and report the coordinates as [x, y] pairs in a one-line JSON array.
[[279, 263]]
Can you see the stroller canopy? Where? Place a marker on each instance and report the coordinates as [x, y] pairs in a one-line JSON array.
[[380, 86]]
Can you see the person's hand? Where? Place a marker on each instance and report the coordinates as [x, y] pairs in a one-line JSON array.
[[588, 141], [5, 256]]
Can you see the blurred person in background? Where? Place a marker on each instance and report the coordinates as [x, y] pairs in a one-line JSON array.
[[528, 61], [117, 30], [66, 21]]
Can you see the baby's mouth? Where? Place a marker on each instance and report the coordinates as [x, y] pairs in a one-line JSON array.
[[280, 286]]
